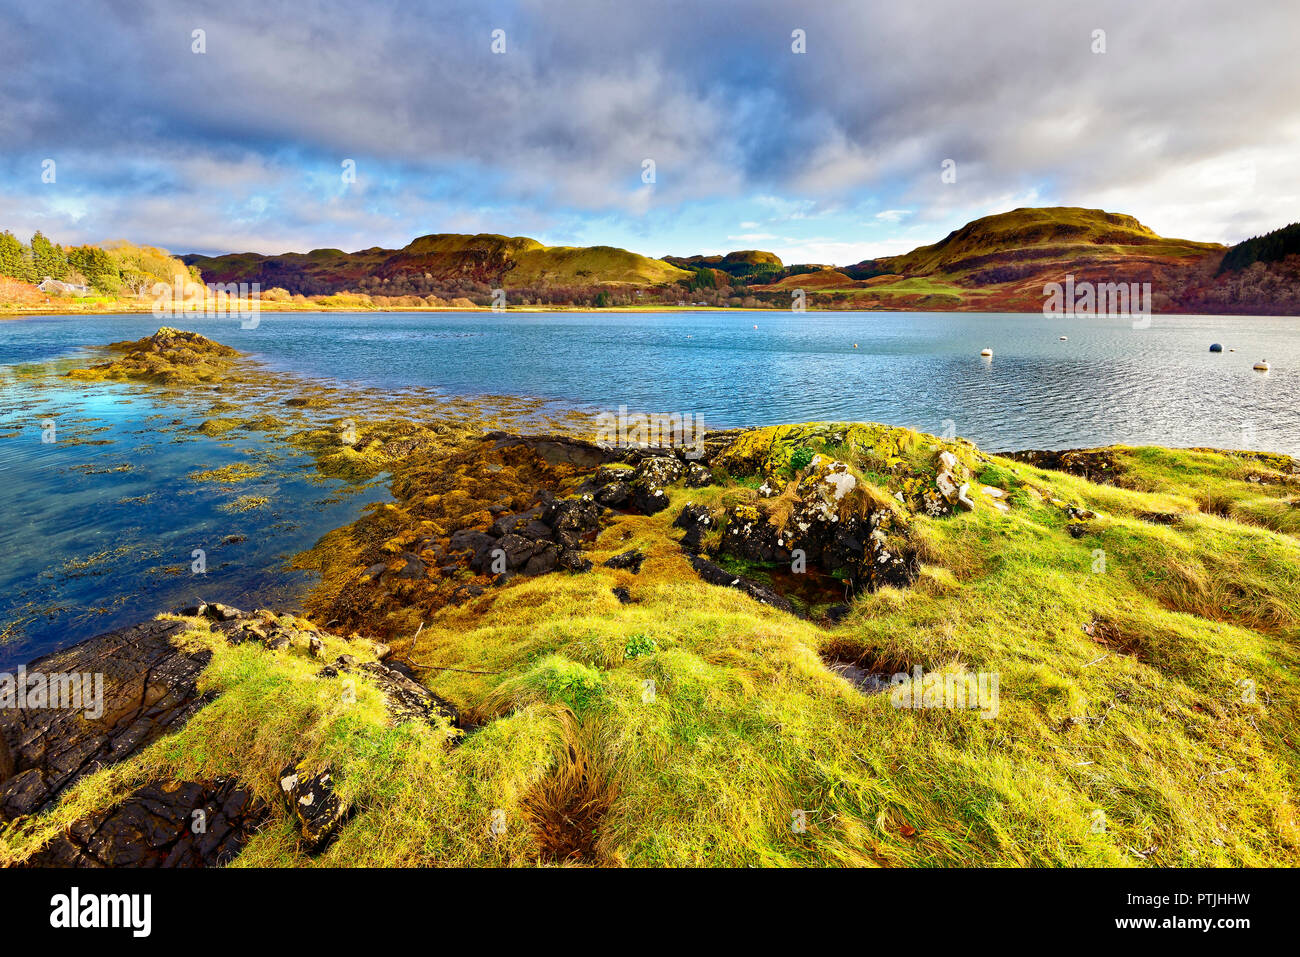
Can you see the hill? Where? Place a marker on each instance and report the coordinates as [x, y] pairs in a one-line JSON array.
[[1002, 262], [1046, 236], [443, 264], [742, 263]]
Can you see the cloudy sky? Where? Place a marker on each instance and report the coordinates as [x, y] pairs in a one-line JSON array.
[[1189, 120]]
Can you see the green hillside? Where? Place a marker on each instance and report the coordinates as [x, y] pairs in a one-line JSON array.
[[445, 263], [1052, 233]]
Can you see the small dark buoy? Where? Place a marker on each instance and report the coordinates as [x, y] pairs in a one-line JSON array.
[[1216, 348]]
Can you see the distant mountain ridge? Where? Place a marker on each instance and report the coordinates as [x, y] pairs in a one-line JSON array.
[[995, 263], [442, 262]]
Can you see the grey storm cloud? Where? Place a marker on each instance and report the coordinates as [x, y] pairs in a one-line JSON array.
[[558, 126]]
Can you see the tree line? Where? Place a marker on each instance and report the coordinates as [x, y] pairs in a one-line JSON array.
[[116, 268]]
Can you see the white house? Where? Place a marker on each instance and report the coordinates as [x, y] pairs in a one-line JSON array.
[[53, 285]]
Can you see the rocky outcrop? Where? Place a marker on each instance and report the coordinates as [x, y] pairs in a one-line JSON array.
[[630, 560], [163, 824], [501, 507], [144, 686], [406, 698], [1095, 465], [697, 521], [148, 689], [867, 548]]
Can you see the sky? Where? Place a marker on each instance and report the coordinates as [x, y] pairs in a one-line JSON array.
[[820, 131]]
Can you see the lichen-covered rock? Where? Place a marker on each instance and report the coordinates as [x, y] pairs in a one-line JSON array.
[[614, 495], [1096, 465], [697, 476], [698, 522], [574, 561], [575, 520], [648, 497], [313, 802], [660, 470], [406, 699]]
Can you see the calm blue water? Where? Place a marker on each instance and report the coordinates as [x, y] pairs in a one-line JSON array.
[[1108, 384], [97, 535], [101, 526]]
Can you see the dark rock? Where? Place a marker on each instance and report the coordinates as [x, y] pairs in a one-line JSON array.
[[572, 560], [162, 824], [538, 531], [406, 698], [515, 549], [469, 540], [375, 570], [710, 445], [753, 538], [648, 497], [697, 476], [219, 612], [556, 449], [575, 520], [1095, 465], [660, 470], [149, 689], [857, 548], [1076, 530], [623, 595], [630, 560], [1159, 518], [413, 569], [515, 523], [715, 575], [837, 613], [614, 495], [698, 522], [312, 800], [608, 474], [545, 558]]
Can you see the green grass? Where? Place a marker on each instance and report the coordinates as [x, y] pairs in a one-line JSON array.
[[697, 727]]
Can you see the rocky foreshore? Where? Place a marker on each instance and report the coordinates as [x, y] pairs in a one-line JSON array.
[[150, 688], [548, 650]]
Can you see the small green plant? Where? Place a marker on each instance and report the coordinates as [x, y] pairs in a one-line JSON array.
[[577, 685], [801, 458], [640, 645]]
